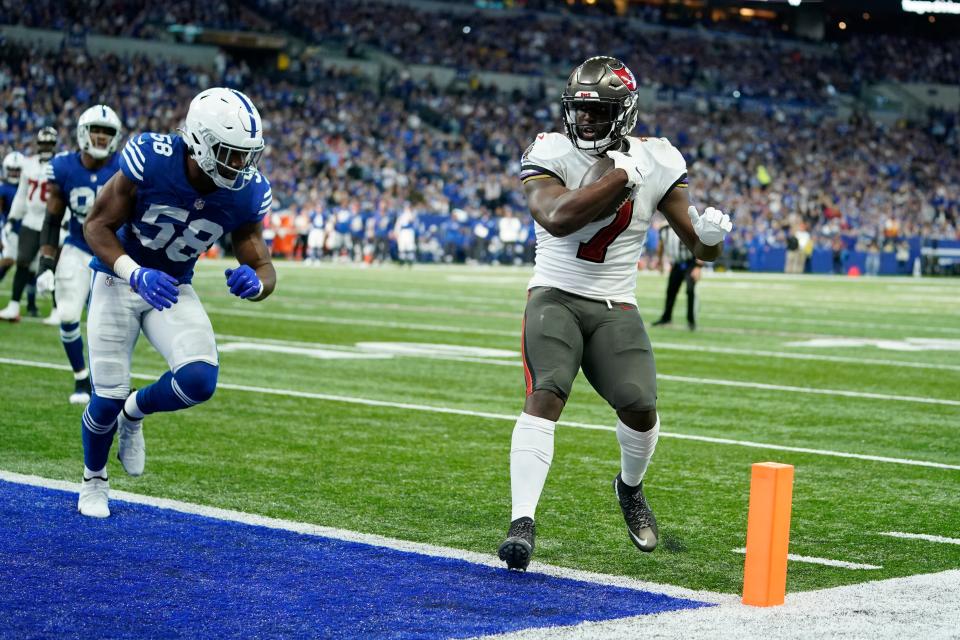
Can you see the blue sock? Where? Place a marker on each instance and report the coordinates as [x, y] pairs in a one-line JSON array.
[[193, 383], [73, 345], [98, 425], [32, 295]]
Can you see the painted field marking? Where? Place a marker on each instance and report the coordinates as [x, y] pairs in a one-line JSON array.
[[920, 536], [842, 564], [512, 418], [371, 539], [815, 357]]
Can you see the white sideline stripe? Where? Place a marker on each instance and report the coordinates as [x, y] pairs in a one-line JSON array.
[[911, 364], [825, 392], [920, 536], [512, 418], [666, 346], [361, 322], [371, 539], [842, 564]]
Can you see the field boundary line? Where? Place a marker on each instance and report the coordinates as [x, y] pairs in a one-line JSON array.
[[920, 536], [827, 562]]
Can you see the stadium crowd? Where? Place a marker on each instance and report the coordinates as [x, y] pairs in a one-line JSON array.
[[351, 157], [771, 67]]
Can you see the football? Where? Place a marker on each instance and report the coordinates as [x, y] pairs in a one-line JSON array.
[[600, 168]]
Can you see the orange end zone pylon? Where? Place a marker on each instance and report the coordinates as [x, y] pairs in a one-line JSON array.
[[768, 534]]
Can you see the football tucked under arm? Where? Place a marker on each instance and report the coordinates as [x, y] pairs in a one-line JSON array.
[[600, 168]]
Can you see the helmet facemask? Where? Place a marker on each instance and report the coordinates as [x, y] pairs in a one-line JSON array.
[[595, 125], [46, 143], [85, 140], [230, 167]]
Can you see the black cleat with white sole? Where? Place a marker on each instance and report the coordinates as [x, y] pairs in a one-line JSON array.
[[517, 549], [641, 523]]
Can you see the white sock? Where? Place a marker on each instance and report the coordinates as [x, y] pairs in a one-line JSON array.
[[636, 449], [81, 375], [132, 409], [87, 474], [531, 452]]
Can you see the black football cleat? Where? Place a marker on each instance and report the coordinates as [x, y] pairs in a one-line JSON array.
[[517, 549], [641, 523], [661, 323]]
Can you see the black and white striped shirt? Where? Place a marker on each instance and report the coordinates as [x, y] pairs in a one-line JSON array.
[[673, 247]]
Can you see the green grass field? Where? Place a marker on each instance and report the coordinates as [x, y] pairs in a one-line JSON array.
[[442, 478]]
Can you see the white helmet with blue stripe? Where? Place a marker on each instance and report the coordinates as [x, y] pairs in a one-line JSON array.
[[12, 165], [99, 115], [225, 135]]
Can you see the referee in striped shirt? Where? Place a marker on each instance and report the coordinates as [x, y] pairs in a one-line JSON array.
[[684, 268]]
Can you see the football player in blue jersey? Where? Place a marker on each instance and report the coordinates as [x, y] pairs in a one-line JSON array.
[[174, 196], [12, 164], [73, 179]]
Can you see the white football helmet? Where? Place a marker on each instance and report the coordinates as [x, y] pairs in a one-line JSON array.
[[98, 116], [224, 133], [12, 165]]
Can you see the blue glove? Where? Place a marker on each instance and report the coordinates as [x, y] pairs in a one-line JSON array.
[[156, 287], [243, 282]]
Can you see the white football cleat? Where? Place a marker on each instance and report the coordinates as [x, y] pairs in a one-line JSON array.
[[94, 497], [131, 449], [11, 313], [81, 391], [52, 320]]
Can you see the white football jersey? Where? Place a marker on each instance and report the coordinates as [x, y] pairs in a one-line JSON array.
[[599, 261], [30, 203]]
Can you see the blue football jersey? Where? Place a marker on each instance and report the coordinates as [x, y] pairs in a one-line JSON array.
[[79, 187], [173, 223], [7, 193]]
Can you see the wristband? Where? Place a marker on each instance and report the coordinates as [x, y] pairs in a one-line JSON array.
[[124, 267]]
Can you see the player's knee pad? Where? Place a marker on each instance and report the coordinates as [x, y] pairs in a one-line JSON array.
[[111, 378], [197, 381], [101, 413], [631, 397]]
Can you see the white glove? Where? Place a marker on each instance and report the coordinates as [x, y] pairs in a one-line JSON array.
[[45, 282], [712, 227], [629, 164]]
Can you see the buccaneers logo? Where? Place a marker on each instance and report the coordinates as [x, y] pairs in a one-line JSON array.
[[626, 77]]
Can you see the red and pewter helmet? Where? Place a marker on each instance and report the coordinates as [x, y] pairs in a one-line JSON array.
[[606, 89]]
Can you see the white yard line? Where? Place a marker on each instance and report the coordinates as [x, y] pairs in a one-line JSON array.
[[664, 346], [920, 536], [827, 562], [816, 357], [473, 557], [512, 418]]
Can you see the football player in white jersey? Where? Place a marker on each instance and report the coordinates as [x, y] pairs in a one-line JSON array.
[[581, 308], [30, 209]]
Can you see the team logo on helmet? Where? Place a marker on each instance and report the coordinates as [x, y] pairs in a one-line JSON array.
[[627, 77]]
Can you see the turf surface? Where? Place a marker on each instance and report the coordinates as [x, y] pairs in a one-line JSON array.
[[443, 478]]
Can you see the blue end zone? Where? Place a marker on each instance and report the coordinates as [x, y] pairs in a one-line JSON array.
[[148, 572]]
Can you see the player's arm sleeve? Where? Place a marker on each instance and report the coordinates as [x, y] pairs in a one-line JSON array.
[[543, 160], [133, 159], [670, 172]]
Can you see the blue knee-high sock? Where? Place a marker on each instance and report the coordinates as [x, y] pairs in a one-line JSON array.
[[73, 345], [192, 384], [98, 425]]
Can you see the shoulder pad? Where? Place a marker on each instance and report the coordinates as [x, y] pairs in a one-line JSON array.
[[549, 145]]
